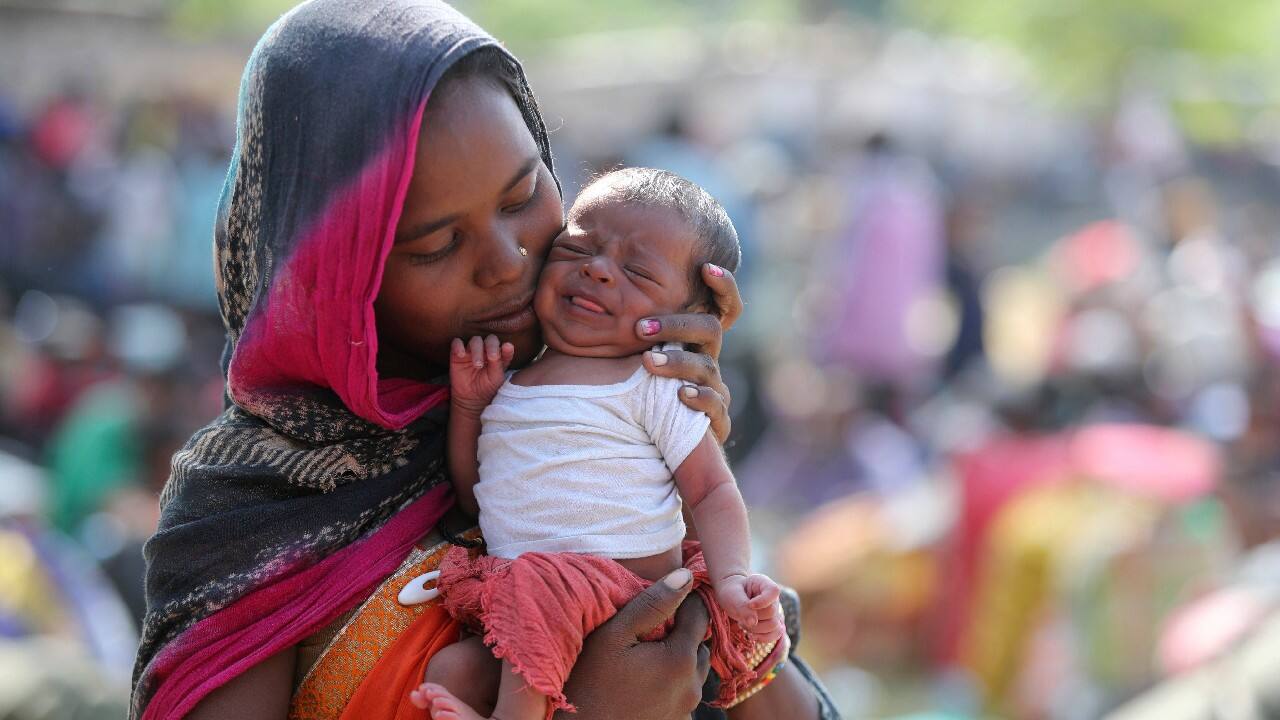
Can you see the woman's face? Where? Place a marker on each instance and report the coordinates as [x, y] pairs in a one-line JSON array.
[[479, 193]]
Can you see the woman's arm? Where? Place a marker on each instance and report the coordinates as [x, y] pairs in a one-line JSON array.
[[262, 692], [789, 695]]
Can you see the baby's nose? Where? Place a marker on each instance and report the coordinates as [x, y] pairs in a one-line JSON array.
[[598, 270]]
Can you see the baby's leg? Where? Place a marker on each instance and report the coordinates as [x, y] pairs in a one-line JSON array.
[[468, 670], [516, 701]]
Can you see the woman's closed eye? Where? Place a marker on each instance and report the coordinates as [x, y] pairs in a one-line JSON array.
[[455, 238], [525, 201], [572, 249]]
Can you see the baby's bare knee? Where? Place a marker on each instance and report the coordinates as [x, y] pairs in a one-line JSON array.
[[469, 671]]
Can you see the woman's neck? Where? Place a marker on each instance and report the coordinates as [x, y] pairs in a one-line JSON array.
[[392, 363]]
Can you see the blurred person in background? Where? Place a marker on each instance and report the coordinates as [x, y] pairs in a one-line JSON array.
[[886, 264], [65, 636]]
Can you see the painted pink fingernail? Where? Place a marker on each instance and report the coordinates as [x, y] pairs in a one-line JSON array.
[[715, 270], [650, 327]]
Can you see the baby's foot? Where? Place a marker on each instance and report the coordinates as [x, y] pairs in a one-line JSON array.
[[441, 703]]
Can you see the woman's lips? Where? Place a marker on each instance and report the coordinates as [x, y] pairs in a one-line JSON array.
[[517, 321], [519, 318]]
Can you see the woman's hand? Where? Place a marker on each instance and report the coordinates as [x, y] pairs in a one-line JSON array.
[[619, 677], [702, 334]]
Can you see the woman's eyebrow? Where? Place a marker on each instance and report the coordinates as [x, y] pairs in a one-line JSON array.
[[425, 229], [429, 227], [525, 168]]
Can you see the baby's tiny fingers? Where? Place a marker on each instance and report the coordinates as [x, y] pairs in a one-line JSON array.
[[767, 631], [492, 348], [459, 349], [766, 597], [508, 353], [476, 346]]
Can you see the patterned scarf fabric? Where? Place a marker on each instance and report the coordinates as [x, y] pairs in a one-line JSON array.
[[309, 490]]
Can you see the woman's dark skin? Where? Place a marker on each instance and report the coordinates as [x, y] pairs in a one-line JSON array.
[[479, 193]]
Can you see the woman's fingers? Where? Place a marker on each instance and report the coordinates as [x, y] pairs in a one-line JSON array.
[[706, 392], [698, 330], [725, 287], [685, 641], [706, 400], [652, 607], [694, 368]]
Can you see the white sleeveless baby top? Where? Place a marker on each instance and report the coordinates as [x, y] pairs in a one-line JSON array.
[[585, 468]]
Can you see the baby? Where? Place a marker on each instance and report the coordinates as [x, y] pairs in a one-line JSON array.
[[584, 459]]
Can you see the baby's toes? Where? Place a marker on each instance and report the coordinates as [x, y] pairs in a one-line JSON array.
[[419, 698], [446, 708]]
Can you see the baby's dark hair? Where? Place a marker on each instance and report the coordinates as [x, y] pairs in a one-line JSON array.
[[717, 238]]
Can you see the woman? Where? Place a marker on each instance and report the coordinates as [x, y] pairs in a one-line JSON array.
[[361, 228]]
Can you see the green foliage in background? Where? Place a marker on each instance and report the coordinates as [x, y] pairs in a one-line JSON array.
[[1090, 48], [525, 25], [1217, 62]]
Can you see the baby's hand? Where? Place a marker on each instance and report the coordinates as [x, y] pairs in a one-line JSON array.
[[752, 600], [476, 371]]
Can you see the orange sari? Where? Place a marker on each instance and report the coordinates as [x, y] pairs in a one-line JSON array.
[[380, 654]]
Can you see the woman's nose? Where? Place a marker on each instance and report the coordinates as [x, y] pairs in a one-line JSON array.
[[503, 262], [598, 270]]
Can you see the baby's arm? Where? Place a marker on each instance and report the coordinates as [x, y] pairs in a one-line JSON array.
[[720, 516], [476, 371]]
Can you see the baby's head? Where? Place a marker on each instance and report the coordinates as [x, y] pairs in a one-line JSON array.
[[634, 245]]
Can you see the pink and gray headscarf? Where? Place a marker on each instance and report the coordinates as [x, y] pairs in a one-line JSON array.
[[288, 509]]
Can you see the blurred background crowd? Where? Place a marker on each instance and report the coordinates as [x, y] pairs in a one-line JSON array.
[[1006, 391]]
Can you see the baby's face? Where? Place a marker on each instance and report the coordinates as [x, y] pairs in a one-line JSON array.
[[614, 265]]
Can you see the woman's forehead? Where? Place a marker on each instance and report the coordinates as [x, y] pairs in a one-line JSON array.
[[473, 138]]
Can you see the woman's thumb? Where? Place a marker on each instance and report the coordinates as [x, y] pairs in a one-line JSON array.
[[657, 603]]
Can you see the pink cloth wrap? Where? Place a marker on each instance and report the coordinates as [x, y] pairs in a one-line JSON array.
[[536, 610]]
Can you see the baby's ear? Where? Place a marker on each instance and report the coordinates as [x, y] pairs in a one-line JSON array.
[[700, 306]]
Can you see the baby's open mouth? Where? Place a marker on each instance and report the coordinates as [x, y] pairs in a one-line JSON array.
[[588, 304]]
